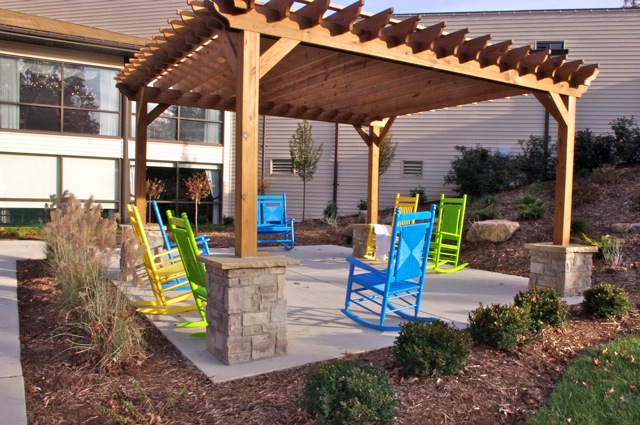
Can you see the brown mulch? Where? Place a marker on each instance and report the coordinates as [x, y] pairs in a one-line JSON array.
[[493, 388]]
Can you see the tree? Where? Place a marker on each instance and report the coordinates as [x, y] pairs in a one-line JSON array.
[[198, 187], [155, 188], [633, 4], [304, 157], [387, 153]]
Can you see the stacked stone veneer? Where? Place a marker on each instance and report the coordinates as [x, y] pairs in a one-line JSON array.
[[566, 268], [359, 241], [246, 307]]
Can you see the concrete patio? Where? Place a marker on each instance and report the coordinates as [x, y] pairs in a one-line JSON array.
[[317, 329]]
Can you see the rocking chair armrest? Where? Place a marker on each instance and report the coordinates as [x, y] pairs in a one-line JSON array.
[[163, 253], [357, 263]]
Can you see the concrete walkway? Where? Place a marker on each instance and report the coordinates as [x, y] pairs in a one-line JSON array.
[[12, 401]]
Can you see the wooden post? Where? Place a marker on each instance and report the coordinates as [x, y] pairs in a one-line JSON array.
[[141, 159], [564, 174], [248, 76], [373, 174]]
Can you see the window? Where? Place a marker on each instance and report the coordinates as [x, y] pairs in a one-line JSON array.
[[556, 47], [54, 96], [281, 166], [175, 196], [411, 168], [185, 124]]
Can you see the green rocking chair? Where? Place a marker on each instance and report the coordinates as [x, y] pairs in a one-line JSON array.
[[445, 247], [196, 274]]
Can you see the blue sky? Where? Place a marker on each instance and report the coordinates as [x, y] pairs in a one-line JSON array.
[[431, 6]]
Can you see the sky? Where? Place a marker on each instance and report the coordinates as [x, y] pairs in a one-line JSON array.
[[433, 6]]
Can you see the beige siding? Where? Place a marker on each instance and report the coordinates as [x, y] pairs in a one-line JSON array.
[[278, 132], [141, 18], [65, 145]]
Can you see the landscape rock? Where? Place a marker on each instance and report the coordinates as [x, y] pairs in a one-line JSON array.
[[492, 230], [625, 227]]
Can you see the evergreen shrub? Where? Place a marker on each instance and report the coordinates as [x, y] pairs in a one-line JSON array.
[[546, 307], [607, 301], [430, 348], [499, 326], [347, 392]]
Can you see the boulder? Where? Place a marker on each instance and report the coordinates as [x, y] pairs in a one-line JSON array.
[[492, 230], [625, 227]]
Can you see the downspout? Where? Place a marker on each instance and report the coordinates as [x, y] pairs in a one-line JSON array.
[[263, 146], [545, 148], [125, 165], [335, 164]]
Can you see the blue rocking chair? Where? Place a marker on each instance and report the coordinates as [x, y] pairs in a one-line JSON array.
[[398, 288], [202, 240]]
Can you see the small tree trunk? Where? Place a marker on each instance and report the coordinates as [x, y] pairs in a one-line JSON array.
[[304, 197], [196, 218]]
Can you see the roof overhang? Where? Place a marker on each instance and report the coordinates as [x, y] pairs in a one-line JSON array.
[[24, 28]]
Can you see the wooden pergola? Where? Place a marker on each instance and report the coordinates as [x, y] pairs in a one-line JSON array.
[[329, 63]]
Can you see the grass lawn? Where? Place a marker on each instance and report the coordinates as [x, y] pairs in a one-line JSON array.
[[600, 387]]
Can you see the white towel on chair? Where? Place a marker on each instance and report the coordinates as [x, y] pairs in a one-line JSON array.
[[383, 240]]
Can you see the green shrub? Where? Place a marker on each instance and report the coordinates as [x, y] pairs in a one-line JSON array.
[[362, 205], [330, 211], [479, 172], [422, 192], [228, 220], [545, 307], [592, 151], [487, 213], [489, 201], [531, 207], [579, 225], [499, 326], [537, 161], [347, 392], [609, 248], [626, 134], [606, 300], [430, 348]]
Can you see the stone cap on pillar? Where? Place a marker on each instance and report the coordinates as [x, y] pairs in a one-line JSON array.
[[263, 260], [570, 248]]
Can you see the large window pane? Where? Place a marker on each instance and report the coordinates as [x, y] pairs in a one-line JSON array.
[[90, 88], [89, 122], [85, 177], [28, 177], [39, 118], [40, 82], [163, 128], [192, 131]]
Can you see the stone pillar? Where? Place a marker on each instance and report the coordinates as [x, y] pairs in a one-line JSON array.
[[565, 268], [246, 307], [359, 242]]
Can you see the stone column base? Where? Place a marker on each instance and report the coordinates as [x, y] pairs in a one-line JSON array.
[[246, 307], [565, 268], [360, 236]]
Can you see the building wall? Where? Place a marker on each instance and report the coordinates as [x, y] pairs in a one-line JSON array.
[[141, 18]]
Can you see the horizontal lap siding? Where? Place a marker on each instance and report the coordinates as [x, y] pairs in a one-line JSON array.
[[141, 18], [278, 133], [605, 37]]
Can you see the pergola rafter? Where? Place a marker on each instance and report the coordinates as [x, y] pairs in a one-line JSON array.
[[337, 64]]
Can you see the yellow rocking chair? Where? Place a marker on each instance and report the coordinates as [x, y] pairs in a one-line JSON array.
[[407, 204], [161, 269]]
